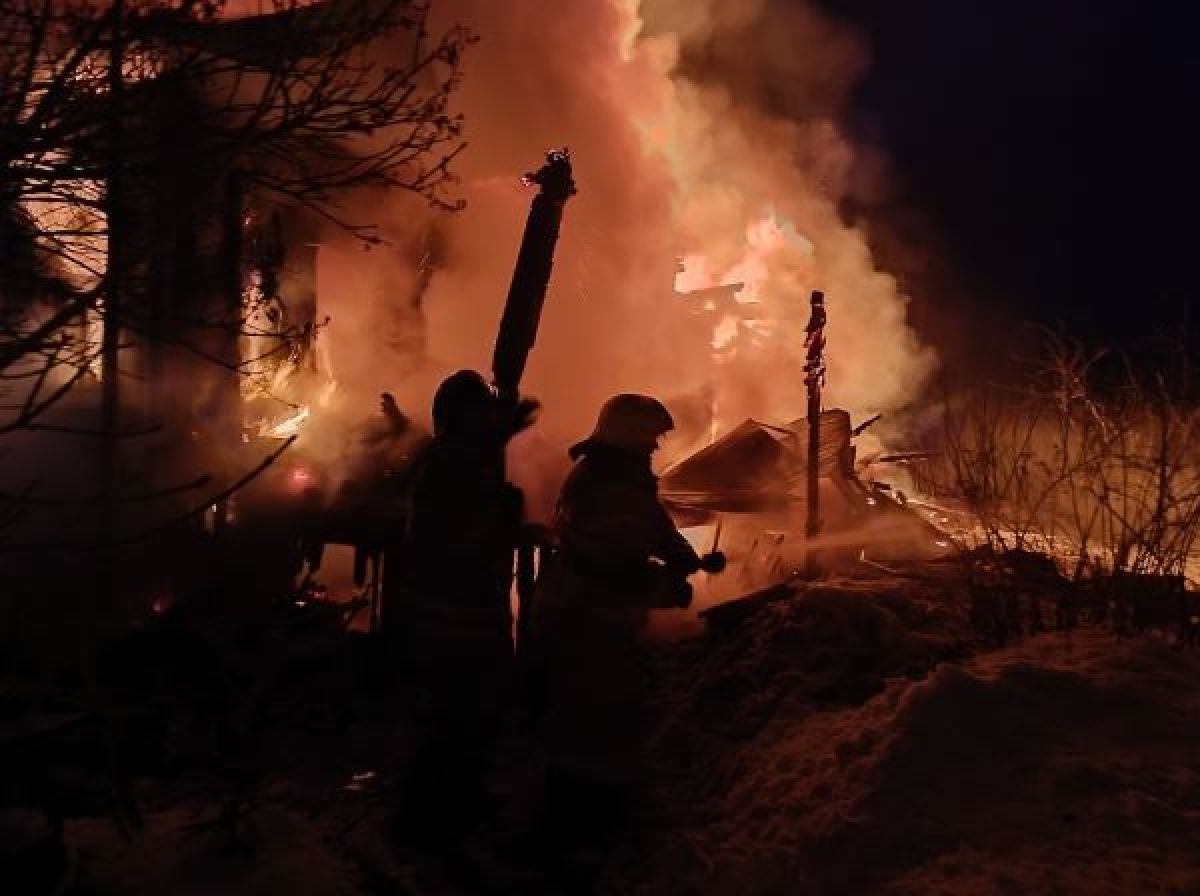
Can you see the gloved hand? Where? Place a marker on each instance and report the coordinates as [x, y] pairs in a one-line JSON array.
[[525, 414], [391, 411], [713, 562]]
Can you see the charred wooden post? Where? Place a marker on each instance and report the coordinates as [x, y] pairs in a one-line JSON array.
[[531, 276], [814, 379], [519, 324]]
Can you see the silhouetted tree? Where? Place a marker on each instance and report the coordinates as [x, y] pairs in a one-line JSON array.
[[135, 136]]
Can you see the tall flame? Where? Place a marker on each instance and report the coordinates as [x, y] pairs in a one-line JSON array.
[[670, 163]]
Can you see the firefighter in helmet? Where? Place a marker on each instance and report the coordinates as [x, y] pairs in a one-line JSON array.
[[448, 615], [618, 555]]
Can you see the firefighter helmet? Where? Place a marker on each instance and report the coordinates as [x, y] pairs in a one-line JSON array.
[[633, 422], [463, 403]]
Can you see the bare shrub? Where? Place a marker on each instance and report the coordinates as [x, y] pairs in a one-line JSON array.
[[1090, 460]]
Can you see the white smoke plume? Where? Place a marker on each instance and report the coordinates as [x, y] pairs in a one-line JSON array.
[[679, 152]]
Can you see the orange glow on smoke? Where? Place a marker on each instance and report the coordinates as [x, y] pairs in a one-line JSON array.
[[667, 166]]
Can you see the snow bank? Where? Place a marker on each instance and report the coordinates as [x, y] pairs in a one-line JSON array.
[[1065, 765]]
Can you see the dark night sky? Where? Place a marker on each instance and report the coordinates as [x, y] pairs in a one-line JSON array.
[[1044, 160]]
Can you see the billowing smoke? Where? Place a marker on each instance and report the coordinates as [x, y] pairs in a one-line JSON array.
[[700, 130]]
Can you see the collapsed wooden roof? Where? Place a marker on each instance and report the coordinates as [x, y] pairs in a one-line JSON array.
[[757, 467]]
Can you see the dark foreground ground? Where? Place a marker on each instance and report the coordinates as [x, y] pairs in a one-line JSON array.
[[849, 741]]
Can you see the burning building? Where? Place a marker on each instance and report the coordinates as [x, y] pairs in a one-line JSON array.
[[166, 214], [246, 297]]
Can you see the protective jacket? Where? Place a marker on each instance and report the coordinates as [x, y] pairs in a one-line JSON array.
[[613, 531], [618, 556], [449, 624], [454, 568]]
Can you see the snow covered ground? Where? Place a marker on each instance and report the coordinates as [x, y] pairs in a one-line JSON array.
[[850, 741], [1065, 765]]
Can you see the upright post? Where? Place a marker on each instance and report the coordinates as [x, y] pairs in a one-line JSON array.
[[531, 276], [814, 379], [519, 325]]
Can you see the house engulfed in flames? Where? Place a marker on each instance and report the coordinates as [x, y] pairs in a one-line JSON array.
[[221, 339]]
